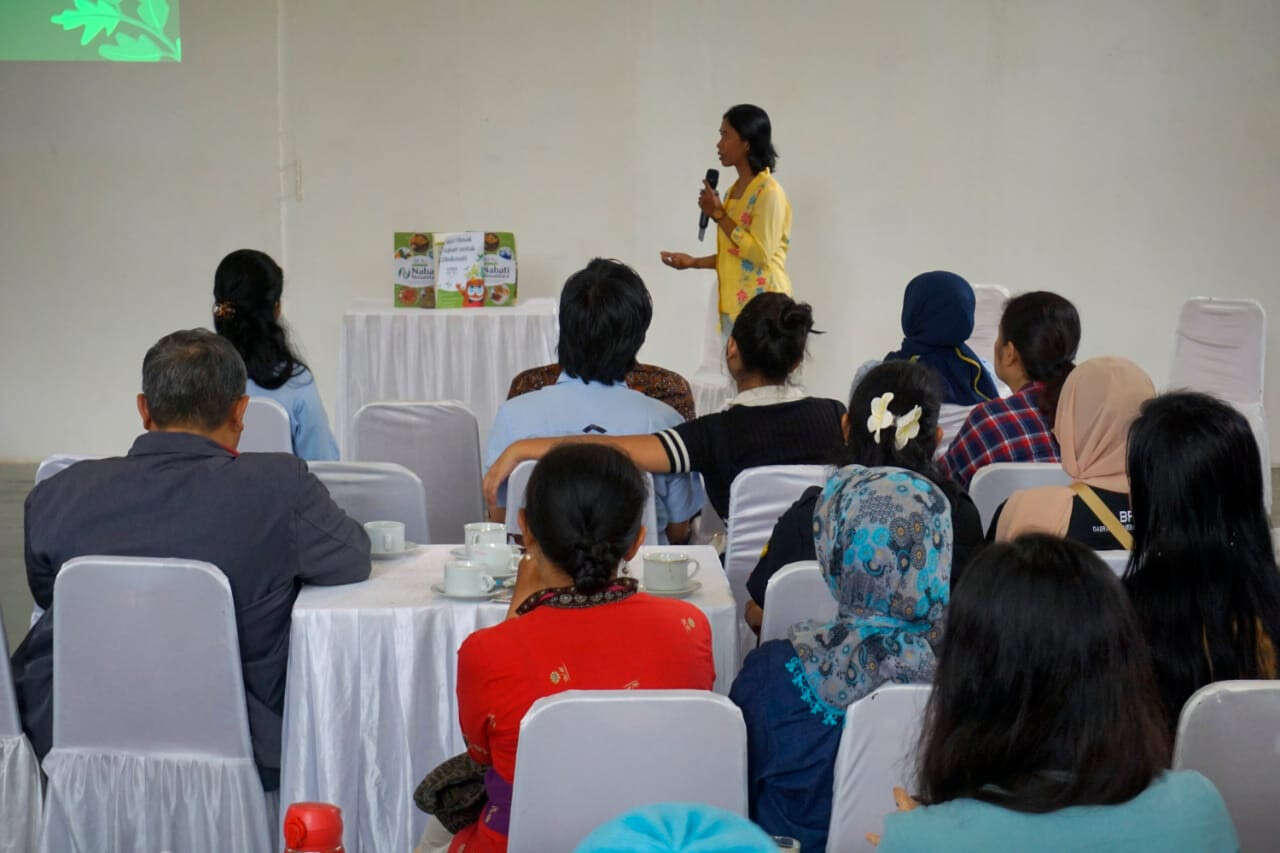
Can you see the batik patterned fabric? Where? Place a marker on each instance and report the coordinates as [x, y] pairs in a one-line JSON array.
[[883, 539]]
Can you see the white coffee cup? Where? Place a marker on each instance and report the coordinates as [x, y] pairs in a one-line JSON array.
[[668, 570], [466, 577], [484, 533], [385, 537], [494, 556]]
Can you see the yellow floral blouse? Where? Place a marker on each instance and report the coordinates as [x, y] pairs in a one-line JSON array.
[[753, 259]]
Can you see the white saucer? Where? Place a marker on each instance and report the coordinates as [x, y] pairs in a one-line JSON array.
[[409, 548], [683, 592], [438, 589]]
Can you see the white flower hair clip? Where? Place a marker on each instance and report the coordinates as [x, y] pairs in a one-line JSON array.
[[905, 427]]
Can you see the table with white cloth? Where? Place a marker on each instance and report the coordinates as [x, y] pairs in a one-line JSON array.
[[371, 701], [466, 354]]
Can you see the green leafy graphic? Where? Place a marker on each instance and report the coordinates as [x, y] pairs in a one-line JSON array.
[[151, 44]]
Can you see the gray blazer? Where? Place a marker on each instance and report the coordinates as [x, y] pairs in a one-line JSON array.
[[262, 518]]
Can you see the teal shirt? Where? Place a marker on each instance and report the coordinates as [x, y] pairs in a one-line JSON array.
[[1181, 811]]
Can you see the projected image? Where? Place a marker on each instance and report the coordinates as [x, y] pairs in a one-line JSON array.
[[76, 30]]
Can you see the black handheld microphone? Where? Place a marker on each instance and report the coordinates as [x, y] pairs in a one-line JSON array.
[[713, 178]]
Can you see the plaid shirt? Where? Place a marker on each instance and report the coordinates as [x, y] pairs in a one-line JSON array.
[[1008, 429]]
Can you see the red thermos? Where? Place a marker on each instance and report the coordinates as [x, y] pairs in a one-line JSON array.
[[313, 828]]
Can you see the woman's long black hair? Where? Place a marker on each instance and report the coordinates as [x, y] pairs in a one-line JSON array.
[[1045, 330], [246, 293], [1044, 695], [1202, 575]]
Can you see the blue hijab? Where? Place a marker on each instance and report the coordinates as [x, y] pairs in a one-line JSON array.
[[678, 828], [937, 319]]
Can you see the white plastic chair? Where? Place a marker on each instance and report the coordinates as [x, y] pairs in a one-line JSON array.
[[877, 752], [1220, 348], [711, 384], [57, 463], [992, 484], [266, 428], [20, 794], [649, 746], [795, 593], [518, 481], [989, 300], [1117, 561], [950, 418], [377, 491], [151, 743], [438, 441], [1230, 732]]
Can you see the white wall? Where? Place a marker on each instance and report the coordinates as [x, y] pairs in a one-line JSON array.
[[1122, 154]]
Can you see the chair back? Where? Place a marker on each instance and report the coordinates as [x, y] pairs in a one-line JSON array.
[[146, 658], [650, 746], [877, 752], [266, 428], [377, 491], [1230, 732], [20, 793], [989, 300], [1220, 347], [950, 418], [440, 442], [992, 484], [10, 724], [518, 481], [796, 593], [1117, 560], [57, 463]]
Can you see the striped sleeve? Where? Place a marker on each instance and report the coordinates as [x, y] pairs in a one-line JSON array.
[[677, 453]]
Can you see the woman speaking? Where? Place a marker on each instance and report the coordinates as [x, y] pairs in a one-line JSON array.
[[754, 219]]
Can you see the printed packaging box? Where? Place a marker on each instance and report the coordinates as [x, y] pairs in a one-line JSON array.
[[415, 270], [500, 268], [463, 269]]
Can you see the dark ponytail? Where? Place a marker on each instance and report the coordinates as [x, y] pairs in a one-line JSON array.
[[771, 333], [246, 291], [584, 505], [1045, 330]]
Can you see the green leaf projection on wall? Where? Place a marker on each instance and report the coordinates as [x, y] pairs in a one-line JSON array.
[[76, 30]]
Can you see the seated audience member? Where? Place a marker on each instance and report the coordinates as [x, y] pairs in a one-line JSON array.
[[665, 386], [769, 422], [1202, 575], [1044, 730], [937, 320], [894, 422], [571, 616], [182, 491], [604, 314], [884, 545], [1035, 350], [246, 311], [678, 828], [1099, 402]]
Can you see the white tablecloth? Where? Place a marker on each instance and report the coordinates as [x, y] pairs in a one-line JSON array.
[[371, 702], [467, 354]]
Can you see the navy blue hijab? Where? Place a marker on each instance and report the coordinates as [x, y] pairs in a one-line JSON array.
[[937, 319]]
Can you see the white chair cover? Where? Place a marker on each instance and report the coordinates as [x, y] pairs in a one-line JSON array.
[[440, 442], [56, 463], [950, 418], [877, 751], [711, 384], [20, 796], [1230, 732], [1117, 561], [757, 499], [150, 734], [266, 428], [989, 300], [377, 491], [649, 746], [796, 593], [519, 480], [992, 484], [1220, 347]]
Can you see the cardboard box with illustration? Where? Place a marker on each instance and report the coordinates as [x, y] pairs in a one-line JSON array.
[[460, 269]]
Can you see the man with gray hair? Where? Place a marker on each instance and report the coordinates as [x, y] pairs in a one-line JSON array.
[[183, 491]]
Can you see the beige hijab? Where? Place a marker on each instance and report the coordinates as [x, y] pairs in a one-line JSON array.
[[1099, 401]]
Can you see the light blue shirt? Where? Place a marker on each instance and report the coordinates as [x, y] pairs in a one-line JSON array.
[[574, 407], [308, 422], [1181, 811]]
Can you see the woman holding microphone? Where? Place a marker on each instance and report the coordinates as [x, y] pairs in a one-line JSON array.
[[753, 221]]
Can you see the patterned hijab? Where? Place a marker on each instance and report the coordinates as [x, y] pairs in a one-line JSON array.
[[883, 538]]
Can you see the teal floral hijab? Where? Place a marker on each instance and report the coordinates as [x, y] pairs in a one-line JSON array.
[[883, 538]]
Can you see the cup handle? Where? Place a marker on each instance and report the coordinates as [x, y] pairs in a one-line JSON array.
[[696, 567], [487, 583]]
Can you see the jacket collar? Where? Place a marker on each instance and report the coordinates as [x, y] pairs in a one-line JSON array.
[[188, 443]]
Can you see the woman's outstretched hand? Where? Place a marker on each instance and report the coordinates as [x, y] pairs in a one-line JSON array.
[[678, 260]]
